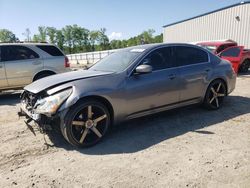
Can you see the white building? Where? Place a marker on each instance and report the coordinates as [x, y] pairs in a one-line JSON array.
[[232, 22]]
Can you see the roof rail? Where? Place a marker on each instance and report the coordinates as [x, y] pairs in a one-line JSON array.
[[32, 42], [25, 42]]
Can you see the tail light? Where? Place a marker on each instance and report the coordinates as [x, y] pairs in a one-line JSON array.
[[66, 62]]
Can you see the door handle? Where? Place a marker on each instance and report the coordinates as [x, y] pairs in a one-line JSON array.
[[37, 63], [172, 76]]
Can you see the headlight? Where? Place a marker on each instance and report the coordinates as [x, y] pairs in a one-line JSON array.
[[49, 105]]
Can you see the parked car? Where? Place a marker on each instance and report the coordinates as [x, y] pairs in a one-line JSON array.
[[127, 84], [229, 50], [23, 63]]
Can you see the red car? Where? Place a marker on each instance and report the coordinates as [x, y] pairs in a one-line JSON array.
[[229, 50]]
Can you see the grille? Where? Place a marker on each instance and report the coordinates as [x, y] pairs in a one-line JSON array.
[[29, 99]]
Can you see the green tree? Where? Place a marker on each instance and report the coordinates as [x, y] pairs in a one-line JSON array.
[[133, 41], [147, 36], [158, 38], [80, 39], [7, 36], [51, 32], [115, 44], [60, 39], [67, 33], [36, 38], [124, 43], [42, 33], [86, 41], [103, 39], [94, 38], [76, 39]]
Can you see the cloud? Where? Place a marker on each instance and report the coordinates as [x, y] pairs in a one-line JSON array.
[[115, 35]]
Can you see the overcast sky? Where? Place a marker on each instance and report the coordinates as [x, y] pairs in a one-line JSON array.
[[121, 18]]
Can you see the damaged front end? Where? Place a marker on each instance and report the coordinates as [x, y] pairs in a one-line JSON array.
[[43, 107]]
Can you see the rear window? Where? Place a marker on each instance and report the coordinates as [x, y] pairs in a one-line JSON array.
[[231, 52], [51, 50], [189, 55]]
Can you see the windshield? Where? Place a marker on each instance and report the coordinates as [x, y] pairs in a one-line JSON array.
[[209, 47], [117, 61]]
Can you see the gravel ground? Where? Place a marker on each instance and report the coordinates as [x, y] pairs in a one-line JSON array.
[[188, 147]]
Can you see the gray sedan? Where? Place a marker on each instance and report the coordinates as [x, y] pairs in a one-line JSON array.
[[128, 84]]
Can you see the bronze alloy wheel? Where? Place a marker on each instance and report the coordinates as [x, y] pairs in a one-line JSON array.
[[88, 123], [215, 94]]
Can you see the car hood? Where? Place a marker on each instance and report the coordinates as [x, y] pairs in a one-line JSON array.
[[58, 79]]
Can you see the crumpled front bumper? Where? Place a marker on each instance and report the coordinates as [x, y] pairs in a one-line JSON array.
[[29, 113], [44, 122]]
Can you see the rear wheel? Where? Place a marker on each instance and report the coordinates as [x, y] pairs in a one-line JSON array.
[[215, 95], [86, 124], [245, 66]]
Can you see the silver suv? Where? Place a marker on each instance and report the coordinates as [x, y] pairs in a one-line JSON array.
[[23, 63]]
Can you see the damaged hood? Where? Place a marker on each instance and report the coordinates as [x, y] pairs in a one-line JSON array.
[[63, 78]]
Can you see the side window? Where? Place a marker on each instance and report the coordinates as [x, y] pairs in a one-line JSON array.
[[221, 48], [159, 59], [13, 53], [231, 52], [51, 50], [188, 55]]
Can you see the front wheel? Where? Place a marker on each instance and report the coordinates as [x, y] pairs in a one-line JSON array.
[[86, 123], [215, 95]]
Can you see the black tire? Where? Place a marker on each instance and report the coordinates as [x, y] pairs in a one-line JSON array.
[[244, 66], [80, 129], [43, 75], [215, 95]]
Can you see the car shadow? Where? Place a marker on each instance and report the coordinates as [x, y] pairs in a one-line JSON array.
[[9, 98], [142, 133]]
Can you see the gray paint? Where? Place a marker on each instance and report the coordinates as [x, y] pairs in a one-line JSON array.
[[216, 25], [134, 95]]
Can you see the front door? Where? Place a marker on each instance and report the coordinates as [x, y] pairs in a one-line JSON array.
[[234, 55], [21, 63], [149, 92]]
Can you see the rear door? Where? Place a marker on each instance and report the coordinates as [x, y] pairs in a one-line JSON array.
[[234, 55], [194, 68], [3, 80], [21, 63]]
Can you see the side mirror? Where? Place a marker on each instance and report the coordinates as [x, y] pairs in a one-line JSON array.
[[143, 69]]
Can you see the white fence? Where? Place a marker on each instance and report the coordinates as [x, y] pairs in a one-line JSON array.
[[87, 59]]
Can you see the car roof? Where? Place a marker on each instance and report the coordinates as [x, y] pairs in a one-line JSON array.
[[154, 45], [26, 44]]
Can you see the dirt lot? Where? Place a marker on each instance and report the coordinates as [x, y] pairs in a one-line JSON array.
[[189, 147]]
